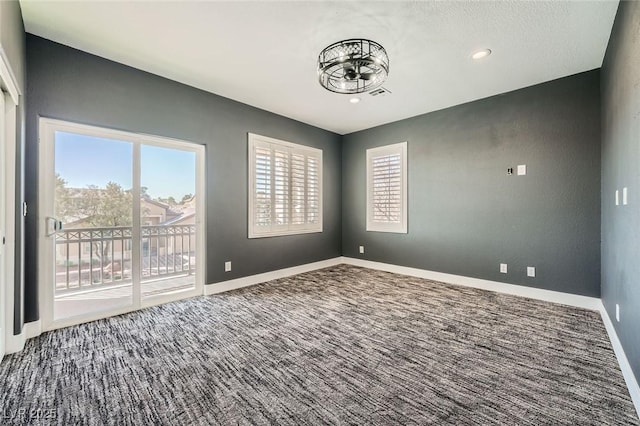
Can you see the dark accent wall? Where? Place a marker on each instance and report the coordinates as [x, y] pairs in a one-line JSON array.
[[12, 40], [466, 215], [620, 168], [68, 84]]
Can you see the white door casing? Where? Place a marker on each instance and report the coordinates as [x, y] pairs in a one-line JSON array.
[[3, 206], [10, 98]]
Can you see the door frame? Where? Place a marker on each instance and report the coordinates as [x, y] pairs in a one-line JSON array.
[[11, 95], [3, 207], [46, 248]]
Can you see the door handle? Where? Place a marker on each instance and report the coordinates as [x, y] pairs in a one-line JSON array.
[[53, 225]]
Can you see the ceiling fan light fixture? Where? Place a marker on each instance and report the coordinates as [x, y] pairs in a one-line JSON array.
[[353, 66]]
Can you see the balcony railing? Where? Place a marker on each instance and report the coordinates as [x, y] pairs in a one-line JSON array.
[[93, 258]]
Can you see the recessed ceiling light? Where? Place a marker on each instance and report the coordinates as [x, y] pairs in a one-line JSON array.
[[354, 100], [481, 54]]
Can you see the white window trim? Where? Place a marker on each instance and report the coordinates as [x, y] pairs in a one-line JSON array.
[[280, 230], [401, 227]]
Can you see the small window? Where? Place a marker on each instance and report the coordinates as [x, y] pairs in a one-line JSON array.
[[285, 188], [387, 188]]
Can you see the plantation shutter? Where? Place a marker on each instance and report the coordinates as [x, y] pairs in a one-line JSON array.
[[262, 187], [386, 189], [286, 192], [313, 190], [298, 178], [280, 187]]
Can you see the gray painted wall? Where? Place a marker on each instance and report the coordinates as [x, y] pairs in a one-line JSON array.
[[620, 168], [12, 40], [466, 215], [72, 85]]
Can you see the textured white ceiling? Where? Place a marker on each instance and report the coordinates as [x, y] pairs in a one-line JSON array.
[[264, 53]]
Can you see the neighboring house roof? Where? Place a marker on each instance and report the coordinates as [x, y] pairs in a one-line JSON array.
[[176, 220], [168, 209], [173, 214], [71, 221], [157, 203]]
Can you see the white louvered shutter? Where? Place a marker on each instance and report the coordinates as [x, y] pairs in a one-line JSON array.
[[262, 188], [386, 189], [280, 187], [313, 204], [286, 195], [298, 179]]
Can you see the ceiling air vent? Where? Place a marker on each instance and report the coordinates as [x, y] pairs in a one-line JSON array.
[[381, 91]]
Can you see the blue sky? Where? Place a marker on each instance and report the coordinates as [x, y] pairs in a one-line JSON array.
[[85, 160]]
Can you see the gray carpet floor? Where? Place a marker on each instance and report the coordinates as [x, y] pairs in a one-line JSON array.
[[342, 345]]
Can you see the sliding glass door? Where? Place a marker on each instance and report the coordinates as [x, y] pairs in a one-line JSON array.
[[119, 214], [168, 220], [90, 225]]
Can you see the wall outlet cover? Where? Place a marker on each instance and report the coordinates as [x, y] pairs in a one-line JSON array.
[[503, 268], [361, 249], [227, 266], [522, 169], [531, 271]]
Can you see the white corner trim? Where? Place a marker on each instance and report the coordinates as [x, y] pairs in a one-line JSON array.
[[625, 367], [221, 287], [585, 302]]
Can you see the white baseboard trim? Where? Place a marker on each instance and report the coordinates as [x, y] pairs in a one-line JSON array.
[[585, 302], [32, 329], [625, 367], [14, 342], [221, 287]]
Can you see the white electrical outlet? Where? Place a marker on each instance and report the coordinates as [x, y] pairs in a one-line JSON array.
[[361, 249], [227, 266], [624, 196], [617, 312], [617, 197], [522, 169], [531, 271], [503, 268]]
